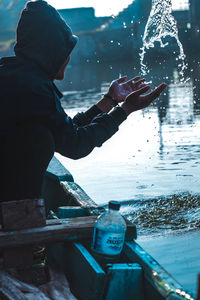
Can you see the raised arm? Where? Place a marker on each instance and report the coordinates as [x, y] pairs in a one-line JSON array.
[[75, 141]]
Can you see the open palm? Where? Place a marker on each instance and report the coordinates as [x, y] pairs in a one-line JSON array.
[[120, 90], [139, 99]]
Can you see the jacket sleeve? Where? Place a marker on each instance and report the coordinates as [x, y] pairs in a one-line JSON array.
[[84, 118], [72, 139], [78, 141]]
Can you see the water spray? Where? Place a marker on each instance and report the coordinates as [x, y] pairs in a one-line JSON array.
[[161, 24]]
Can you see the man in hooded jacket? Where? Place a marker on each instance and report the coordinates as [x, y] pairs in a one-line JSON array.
[[33, 122]]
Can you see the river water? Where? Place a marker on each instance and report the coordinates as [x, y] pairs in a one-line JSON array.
[[151, 164]]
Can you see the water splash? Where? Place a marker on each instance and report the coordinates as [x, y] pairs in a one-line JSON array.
[[180, 212], [161, 24]]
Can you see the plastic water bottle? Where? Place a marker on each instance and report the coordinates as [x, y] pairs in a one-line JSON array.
[[109, 232]]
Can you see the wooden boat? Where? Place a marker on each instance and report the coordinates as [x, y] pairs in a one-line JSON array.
[[135, 275]]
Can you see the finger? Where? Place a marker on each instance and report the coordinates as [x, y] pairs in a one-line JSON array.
[[142, 85], [156, 93], [137, 83], [136, 78], [142, 90], [122, 79], [134, 85]]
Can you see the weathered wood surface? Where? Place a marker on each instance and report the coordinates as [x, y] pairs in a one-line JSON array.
[[64, 212], [76, 194], [126, 279], [14, 289], [22, 214], [54, 231]]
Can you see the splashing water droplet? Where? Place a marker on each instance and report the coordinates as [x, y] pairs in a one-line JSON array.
[[161, 24]]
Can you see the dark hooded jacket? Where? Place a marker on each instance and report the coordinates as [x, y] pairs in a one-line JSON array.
[[29, 95]]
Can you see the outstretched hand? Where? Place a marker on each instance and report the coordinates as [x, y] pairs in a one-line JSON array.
[[136, 100], [120, 90]]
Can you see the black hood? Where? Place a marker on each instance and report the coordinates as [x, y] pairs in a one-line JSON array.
[[43, 37]]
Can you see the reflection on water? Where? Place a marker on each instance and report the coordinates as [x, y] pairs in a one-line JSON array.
[[181, 107], [155, 154]]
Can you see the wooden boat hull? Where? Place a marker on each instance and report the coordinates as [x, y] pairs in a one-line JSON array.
[[135, 276]]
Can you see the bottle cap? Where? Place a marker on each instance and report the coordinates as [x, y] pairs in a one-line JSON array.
[[115, 205]]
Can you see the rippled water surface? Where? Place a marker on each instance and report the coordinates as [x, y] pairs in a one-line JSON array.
[[152, 162]]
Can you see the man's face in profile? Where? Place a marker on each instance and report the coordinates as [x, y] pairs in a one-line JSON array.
[[61, 73]]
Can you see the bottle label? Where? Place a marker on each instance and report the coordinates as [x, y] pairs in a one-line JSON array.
[[107, 243]]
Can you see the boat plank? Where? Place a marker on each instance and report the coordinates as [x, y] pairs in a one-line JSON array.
[[55, 230], [21, 215], [68, 229], [126, 279]]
